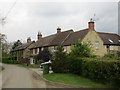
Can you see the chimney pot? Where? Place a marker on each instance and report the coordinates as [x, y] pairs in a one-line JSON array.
[[39, 35], [58, 30], [28, 40], [91, 24]]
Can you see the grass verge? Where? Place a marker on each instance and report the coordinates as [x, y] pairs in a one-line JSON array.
[[74, 80], [25, 66]]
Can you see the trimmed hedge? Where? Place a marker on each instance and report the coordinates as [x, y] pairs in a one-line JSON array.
[[103, 71], [10, 61]]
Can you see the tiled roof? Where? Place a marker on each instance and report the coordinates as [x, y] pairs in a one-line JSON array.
[[55, 39], [45, 41], [109, 38], [61, 37], [23, 46], [73, 37], [70, 37]]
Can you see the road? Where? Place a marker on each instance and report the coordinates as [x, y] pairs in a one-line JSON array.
[[19, 77]]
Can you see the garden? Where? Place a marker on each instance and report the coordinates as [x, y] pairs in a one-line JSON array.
[[83, 63]]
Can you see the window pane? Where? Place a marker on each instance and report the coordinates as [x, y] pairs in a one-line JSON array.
[[97, 44]]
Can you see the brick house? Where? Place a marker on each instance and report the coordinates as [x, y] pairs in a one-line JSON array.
[[102, 42], [22, 52]]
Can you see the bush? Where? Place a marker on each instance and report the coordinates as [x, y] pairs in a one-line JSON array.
[[112, 55], [8, 61], [59, 62], [103, 71], [81, 49], [44, 56], [74, 65]]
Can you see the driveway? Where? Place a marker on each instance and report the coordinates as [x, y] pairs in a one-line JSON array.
[[19, 77]]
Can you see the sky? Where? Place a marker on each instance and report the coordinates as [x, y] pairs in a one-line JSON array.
[[27, 18]]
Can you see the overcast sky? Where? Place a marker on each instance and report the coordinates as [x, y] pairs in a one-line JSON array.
[[27, 18]]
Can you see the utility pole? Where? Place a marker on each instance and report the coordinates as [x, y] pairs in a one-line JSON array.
[[1, 39], [2, 22], [2, 36]]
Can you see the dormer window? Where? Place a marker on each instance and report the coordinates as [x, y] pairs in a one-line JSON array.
[[110, 40]]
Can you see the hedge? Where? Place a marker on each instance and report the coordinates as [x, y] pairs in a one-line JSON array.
[[104, 71], [10, 61]]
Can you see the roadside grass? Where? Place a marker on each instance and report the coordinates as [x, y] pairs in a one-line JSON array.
[[1, 68], [25, 66], [74, 80]]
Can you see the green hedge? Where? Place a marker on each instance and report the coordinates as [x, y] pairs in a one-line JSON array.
[[10, 61], [105, 71]]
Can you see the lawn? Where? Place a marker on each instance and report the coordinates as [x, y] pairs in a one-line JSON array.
[[25, 66], [74, 80]]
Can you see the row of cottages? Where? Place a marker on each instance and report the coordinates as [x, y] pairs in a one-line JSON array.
[[101, 42], [21, 53]]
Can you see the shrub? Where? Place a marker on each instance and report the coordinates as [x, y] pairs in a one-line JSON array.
[[9, 61], [111, 55], [74, 65], [81, 49], [44, 56], [59, 62], [103, 71]]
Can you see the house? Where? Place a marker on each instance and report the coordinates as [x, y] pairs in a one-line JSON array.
[[22, 52], [49, 42], [102, 43]]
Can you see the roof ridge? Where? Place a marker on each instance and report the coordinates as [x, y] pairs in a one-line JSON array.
[[56, 33], [81, 30], [107, 33]]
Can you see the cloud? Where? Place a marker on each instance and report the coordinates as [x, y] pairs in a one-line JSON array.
[[27, 18]]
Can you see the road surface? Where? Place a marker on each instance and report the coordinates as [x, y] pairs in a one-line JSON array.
[[19, 77]]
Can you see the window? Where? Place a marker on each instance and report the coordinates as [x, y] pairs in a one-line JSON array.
[[111, 47], [53, 48], [65, 48], [33, 51], [37, 50], [97, 44], [42, 49]]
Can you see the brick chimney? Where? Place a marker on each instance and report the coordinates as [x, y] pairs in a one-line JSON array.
[[91, 24], [28, 40], [39, 35], [58, 30]]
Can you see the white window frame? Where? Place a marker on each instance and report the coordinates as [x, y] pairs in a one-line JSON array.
[[65, 48], [53, 48], [42, 49], [97, 44], [111, 47], [38, 50], [33, 51]]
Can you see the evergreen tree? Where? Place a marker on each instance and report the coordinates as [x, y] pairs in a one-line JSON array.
[[59, 63]]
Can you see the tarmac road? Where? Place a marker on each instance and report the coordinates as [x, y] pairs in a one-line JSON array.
[[14, 76]]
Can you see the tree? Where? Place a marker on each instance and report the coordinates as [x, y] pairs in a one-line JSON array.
[[17, 43], [59, 61], [44, 55], [81, 49]]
